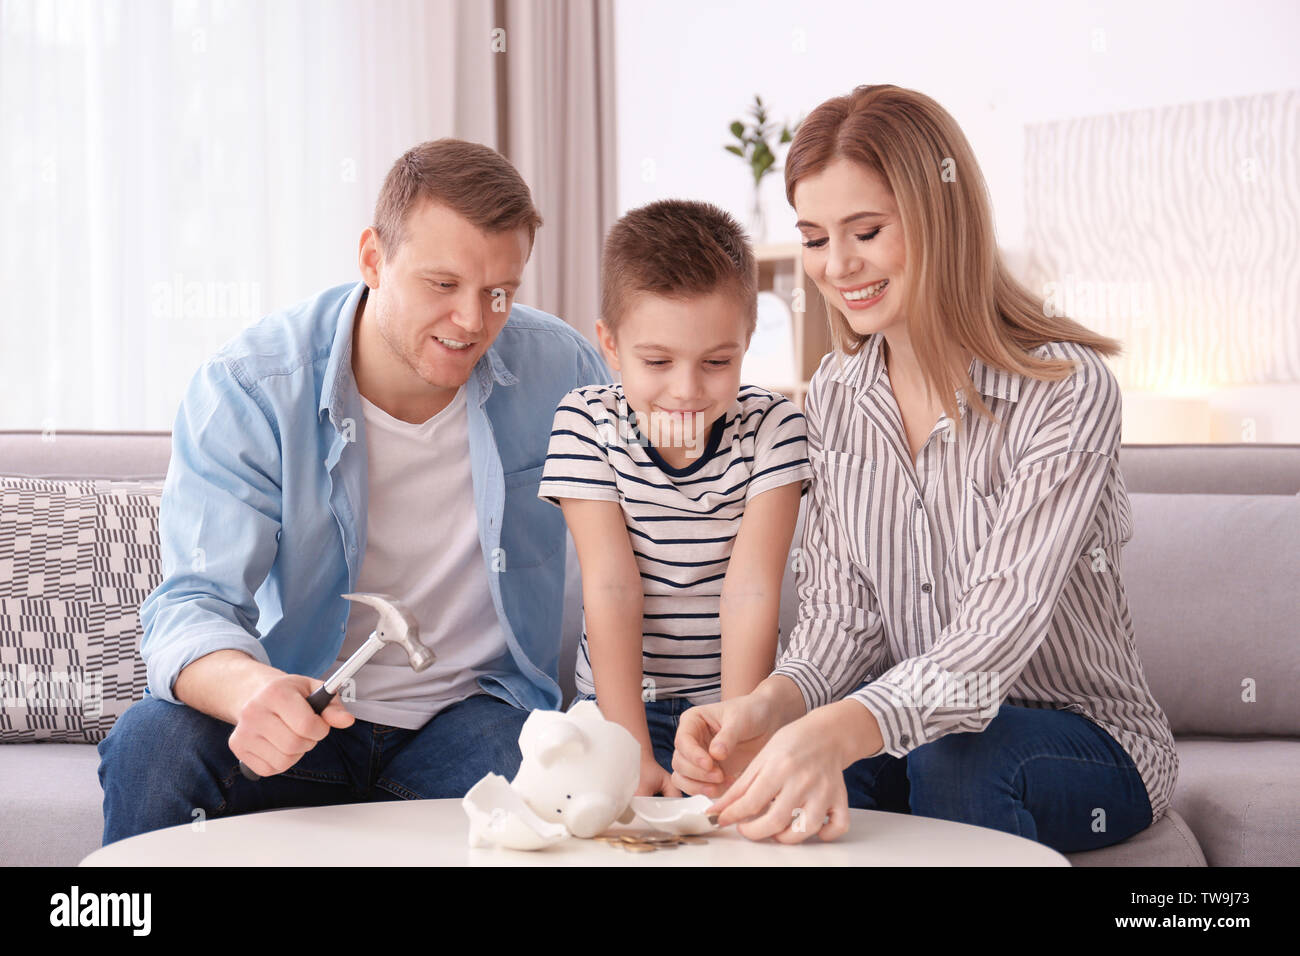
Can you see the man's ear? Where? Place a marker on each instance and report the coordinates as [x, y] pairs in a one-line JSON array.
[[369, 257], [607, 345]]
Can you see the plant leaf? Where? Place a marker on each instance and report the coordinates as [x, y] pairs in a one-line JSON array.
[[735, 149]]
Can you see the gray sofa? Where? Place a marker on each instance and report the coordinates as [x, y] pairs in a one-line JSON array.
[[1211, 576]]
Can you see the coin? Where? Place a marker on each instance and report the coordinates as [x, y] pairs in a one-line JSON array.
[[639, 848]]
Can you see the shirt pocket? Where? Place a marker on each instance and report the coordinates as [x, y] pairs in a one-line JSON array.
[[532, 529], [849, 485], [976, 514]]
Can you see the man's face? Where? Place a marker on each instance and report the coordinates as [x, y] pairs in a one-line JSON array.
[[440, 299], [680, 363]]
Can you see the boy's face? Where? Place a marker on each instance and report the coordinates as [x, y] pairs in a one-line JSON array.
[[680, 364]]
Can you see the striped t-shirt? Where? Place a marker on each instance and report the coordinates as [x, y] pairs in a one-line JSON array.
[[682, 522], [984, 571]]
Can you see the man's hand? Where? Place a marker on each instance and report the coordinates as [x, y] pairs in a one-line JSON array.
[[277, 726]]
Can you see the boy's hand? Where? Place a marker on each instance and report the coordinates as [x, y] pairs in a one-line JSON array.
[[655, 780], [795, 787], [716, 742]]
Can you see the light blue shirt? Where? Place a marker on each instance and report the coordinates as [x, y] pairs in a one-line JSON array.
[[263, 520]]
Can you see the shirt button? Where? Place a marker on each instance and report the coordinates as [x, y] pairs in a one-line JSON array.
[[926, 587], [905, 740]]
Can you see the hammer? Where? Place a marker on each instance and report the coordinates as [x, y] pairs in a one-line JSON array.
[[397, 625]]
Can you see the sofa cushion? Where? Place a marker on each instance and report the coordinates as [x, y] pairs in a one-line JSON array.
[[1242, 798], [77, 558], [1211, 586], [1170, 842], [53, 807]]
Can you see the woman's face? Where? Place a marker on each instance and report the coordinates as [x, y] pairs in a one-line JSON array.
[[852, 243]]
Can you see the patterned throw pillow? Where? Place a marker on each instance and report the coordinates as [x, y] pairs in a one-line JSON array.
[[77, 558]]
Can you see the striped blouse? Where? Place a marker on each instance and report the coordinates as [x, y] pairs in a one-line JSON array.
[[985, 572], [682, 522]]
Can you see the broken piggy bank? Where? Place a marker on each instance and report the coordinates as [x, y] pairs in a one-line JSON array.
[[578, 776]]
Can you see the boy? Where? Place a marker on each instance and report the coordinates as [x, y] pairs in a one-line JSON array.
[[654, 475]]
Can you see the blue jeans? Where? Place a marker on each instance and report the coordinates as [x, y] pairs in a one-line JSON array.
[[163, 763], [1052, 776]]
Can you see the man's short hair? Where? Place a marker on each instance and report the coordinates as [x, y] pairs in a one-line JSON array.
[[677, 248], [471, 179]]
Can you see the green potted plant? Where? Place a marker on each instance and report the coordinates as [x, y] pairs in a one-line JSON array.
[[753, 148]]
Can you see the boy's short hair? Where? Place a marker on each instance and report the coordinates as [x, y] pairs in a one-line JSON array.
[[471, 179], [678, 248]]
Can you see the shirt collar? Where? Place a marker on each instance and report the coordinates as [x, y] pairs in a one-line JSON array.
[[862, 370], [338, 371], [339, 381]]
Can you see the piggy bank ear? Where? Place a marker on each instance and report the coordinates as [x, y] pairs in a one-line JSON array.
[[559, 740]]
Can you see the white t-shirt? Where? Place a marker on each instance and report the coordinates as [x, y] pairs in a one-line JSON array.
[[682, 522], [422, 546]]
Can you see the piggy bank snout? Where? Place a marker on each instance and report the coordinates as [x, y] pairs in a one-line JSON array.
[[590, 814]]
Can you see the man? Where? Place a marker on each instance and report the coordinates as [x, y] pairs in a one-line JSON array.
[[384, 436]]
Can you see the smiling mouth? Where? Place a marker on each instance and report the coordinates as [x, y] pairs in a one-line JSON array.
[[864, 292], [453, 345]]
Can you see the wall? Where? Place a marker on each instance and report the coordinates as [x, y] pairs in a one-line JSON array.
[[686, 69]]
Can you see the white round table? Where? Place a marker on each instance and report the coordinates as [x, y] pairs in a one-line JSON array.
[[436, 833]]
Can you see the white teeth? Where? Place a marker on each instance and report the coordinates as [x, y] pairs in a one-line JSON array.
[[868, 292], [454, 345]]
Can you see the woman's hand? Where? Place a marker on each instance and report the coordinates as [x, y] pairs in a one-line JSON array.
[[716, 742], [655, 780], [794, 787]]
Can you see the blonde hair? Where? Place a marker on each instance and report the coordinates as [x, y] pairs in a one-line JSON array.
[[471, 179], [957, 288]]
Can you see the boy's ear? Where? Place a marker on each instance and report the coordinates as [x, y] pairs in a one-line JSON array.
[[607, 345]]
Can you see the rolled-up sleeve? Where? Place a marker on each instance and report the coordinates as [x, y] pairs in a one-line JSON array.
[[1010, 591], [838, 637], [218, 525]]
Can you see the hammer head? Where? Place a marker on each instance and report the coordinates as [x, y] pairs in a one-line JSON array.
[[397, 625]]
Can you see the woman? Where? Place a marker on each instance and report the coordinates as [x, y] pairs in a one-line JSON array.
[[963, 647]]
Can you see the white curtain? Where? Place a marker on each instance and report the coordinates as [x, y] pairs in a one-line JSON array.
[[558, 127], [176, 170]]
